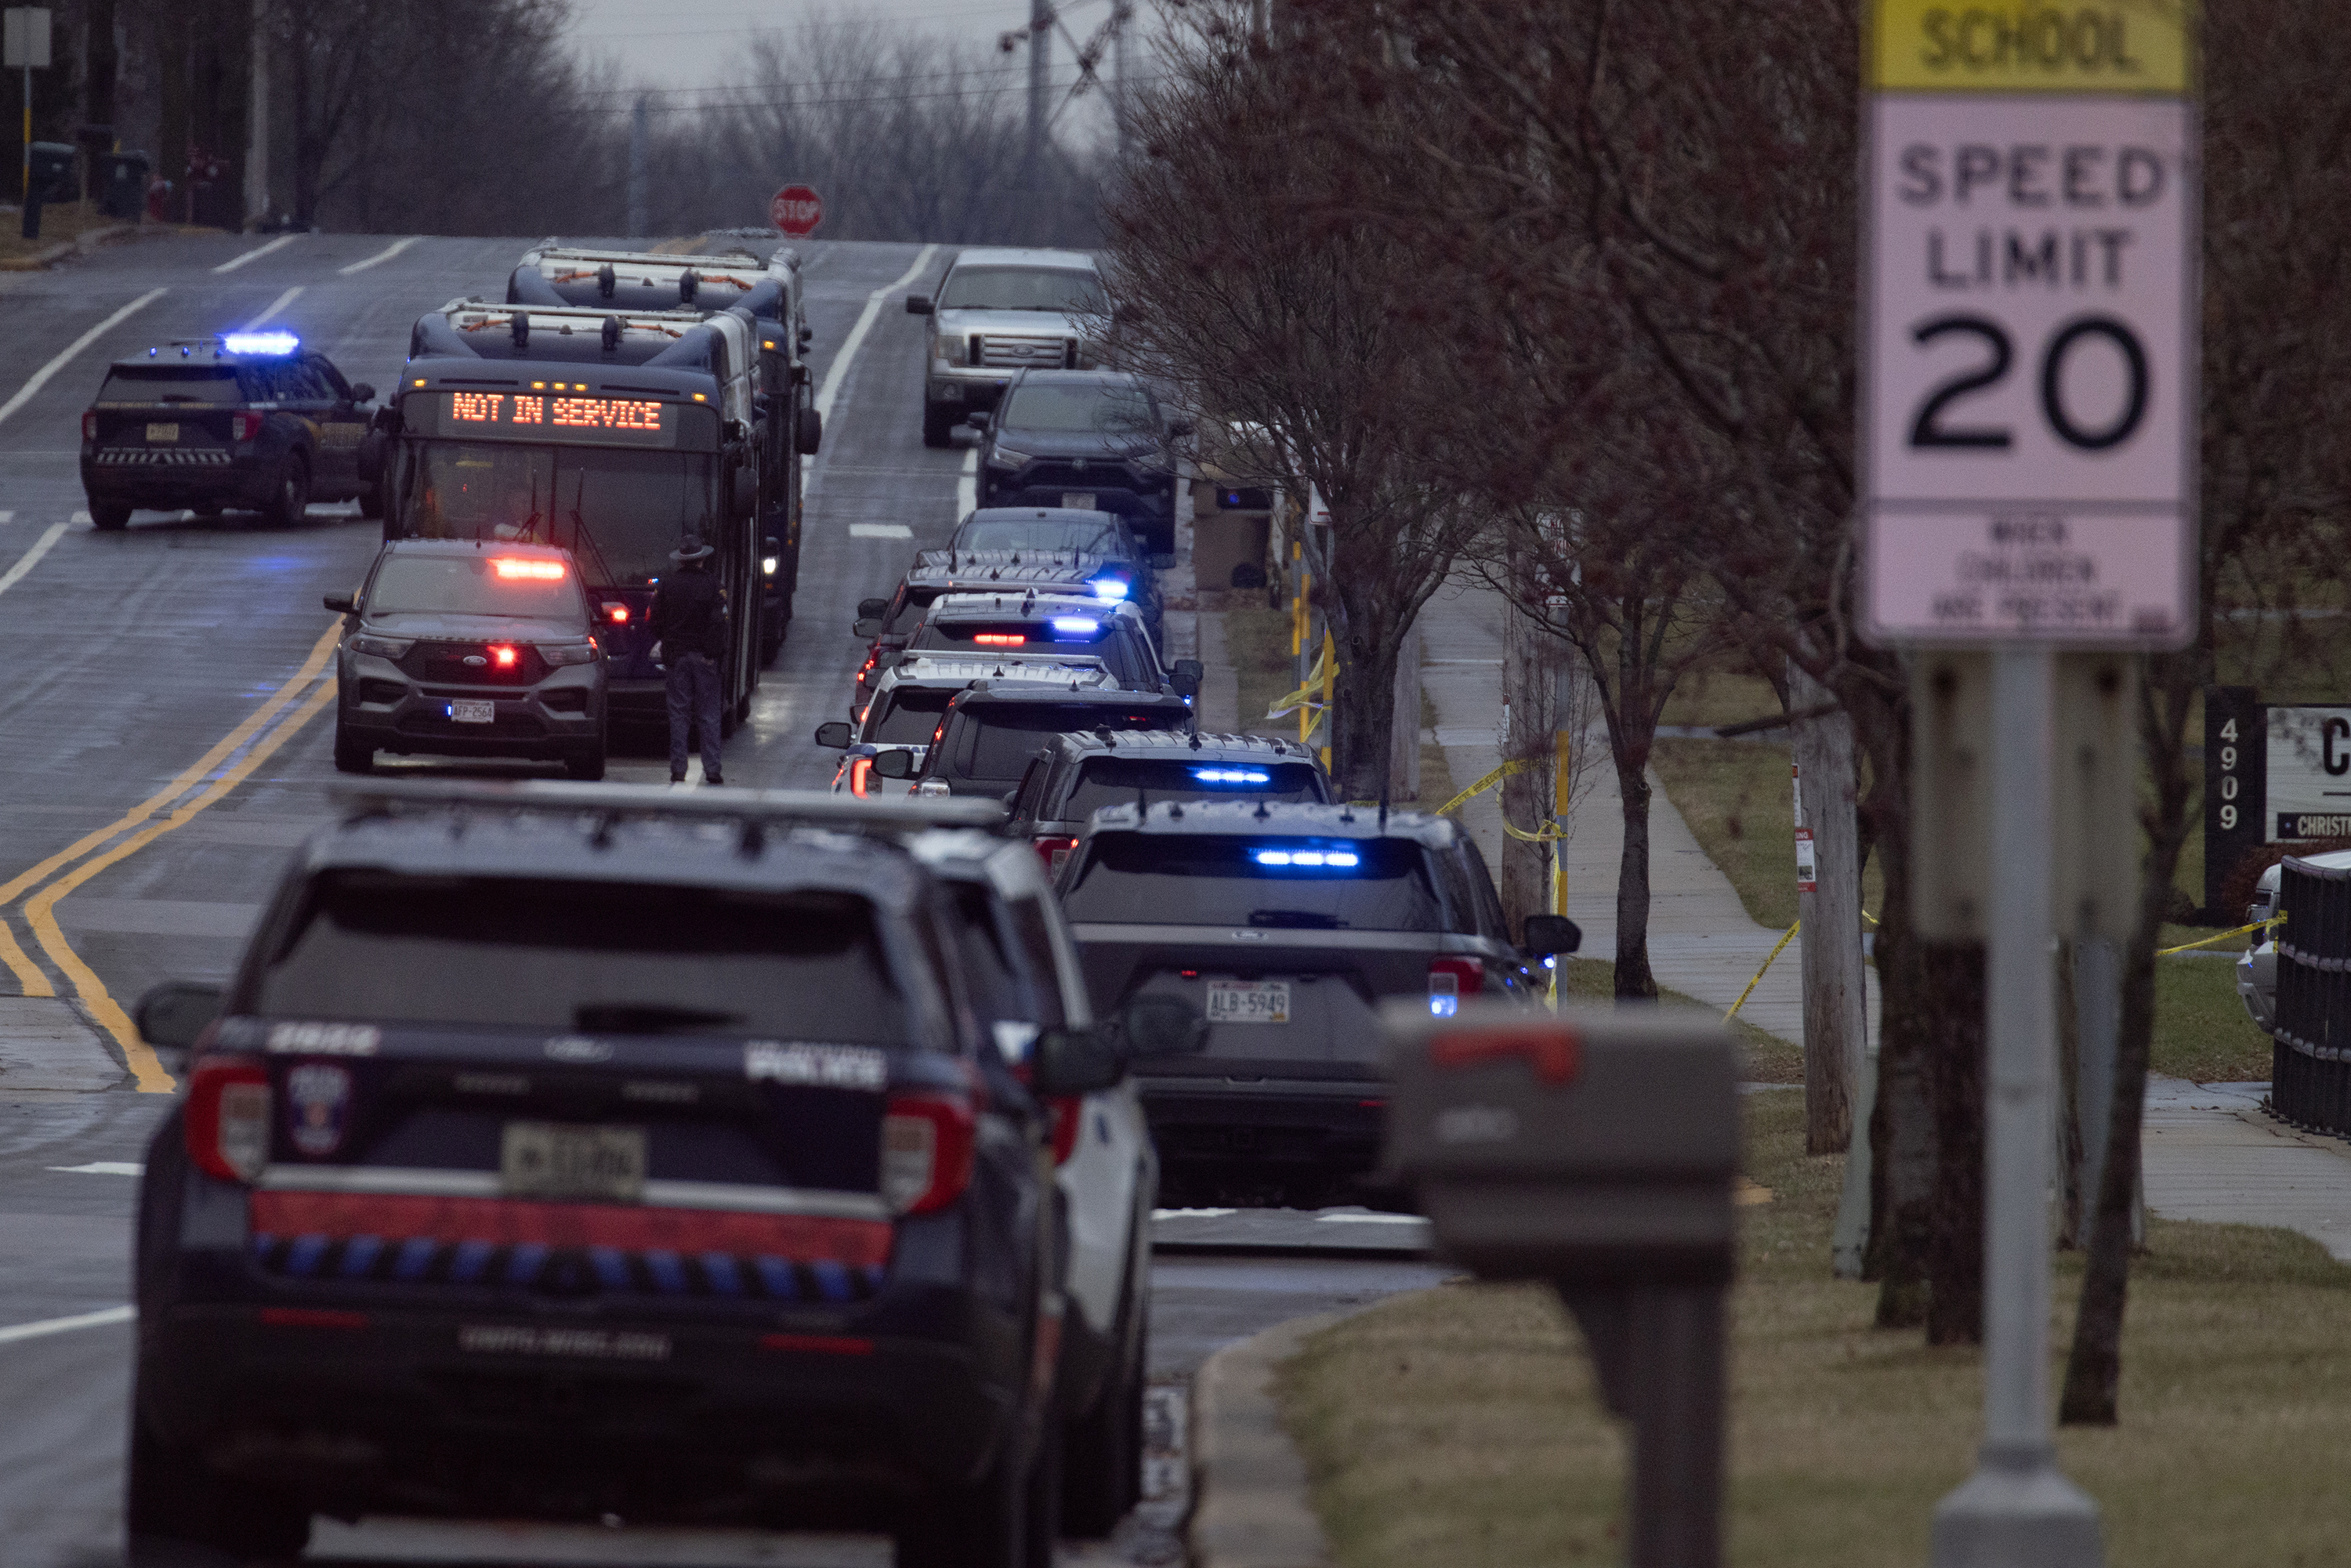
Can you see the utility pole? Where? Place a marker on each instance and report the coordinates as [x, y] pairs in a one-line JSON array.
[[637, 155], [256, 124], [1121, 17], [1040, 60], [1837, 1004]]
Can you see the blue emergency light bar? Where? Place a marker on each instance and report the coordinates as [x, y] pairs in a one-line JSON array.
[[1076, 626], [1110, 588], [260, 342], [1232, 776], [1308, 860]]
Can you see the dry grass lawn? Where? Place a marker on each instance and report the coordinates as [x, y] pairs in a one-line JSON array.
[[59, 221], [1461, 1425], [1258, 640]]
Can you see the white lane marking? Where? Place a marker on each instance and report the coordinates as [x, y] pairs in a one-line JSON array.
[[7, 517], [82, 518], [839, 368], [1192, 1213], [41, 377], [1370, 1220], [968, 487], [276, 305], [880, 531], [32, 558], [232, 263], [15, 1332], [103, 1167], [386, 253]]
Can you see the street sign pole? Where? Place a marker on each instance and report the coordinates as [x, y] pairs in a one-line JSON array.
[[2028, 421]]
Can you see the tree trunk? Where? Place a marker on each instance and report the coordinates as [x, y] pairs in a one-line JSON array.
[[1955, 1243], [1524, 883], [1364, 698], [1633, 977], [1836, 993]]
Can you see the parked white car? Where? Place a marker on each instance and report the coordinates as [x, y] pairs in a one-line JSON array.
[[2257, 967]]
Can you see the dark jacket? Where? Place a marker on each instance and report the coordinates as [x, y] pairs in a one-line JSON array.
[[690, 613]]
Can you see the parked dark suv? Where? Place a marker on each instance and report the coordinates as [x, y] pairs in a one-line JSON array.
[[568, 1150], [457, 649], [1287, 925], [247, 419], [1084, 441]]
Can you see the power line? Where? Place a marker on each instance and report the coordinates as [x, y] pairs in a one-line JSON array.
[[817, 102]]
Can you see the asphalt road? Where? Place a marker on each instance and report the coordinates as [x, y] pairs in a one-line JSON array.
[[144, 815]]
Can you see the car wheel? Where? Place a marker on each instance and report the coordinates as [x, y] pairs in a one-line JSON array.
[[109, 515], [588, 766], [980, 1525], [290, 503], [1103, 1473], [372, 501], [771, 645], [938, 424], [351, 756], [170, 1503]]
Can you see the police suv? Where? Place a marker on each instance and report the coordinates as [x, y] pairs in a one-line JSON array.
[[1074, 776], [910, 703], [884, 625], [246, 419]]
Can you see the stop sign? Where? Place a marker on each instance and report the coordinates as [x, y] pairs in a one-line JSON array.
[[796, 210]]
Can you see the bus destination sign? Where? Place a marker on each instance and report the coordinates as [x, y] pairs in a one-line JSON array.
[[568, 420]]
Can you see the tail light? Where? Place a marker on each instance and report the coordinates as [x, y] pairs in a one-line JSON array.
[[247, 426], [1053, 852], [90, 426], [1450, 979], [927, 1149], [859, 770], [616, 612], [228, 1117], [1069, 1121]]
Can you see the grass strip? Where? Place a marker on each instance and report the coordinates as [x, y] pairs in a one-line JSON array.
[[1460, 1424]]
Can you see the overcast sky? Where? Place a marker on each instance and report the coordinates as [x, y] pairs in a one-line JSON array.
[[690, 43]]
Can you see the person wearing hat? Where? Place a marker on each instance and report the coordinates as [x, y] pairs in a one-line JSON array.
[[689, 621]]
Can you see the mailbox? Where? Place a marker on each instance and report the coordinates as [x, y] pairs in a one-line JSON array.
[[1597, 1151]]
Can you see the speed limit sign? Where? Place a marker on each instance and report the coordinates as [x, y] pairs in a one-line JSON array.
[[2028, 397]]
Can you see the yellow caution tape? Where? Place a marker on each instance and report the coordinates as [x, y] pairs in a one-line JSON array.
[[1487, 782], [1550, 835], [1785, 937], [1310, 696], [2207, 942]]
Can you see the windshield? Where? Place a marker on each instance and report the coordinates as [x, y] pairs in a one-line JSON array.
[[1056, 288], [620, 513], [213, 385], [1003, 737], [909, 715], [1115, 781], [556, 955], [473, 585], [1037, 534], [1180, 879], [1094, 410], [1083, 635]]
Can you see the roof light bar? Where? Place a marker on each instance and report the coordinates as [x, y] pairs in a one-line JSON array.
[[1076, 625], [1112, 588], [260, 342], [1308, 860], [519, 569], [1231, 776]]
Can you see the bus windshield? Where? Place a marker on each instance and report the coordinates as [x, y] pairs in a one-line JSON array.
[[620, 513]]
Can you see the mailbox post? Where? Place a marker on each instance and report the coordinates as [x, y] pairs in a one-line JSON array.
[[1595, 1150]]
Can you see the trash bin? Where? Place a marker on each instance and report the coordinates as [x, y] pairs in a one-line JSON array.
[[122, 185], [48, 176]]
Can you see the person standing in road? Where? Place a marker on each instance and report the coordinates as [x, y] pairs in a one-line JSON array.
[[689, 623]]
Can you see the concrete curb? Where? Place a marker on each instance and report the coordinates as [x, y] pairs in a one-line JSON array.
[[41, 260], [1249, 1507]]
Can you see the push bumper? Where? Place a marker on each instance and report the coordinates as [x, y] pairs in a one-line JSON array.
[[561, 716], [1332, 1127]]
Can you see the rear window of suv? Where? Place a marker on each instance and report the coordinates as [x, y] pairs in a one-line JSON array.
[[1216, 880], [213, 385], [995, 741], [1115, 781], [598, 957]]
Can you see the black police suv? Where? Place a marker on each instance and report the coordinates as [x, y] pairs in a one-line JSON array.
[[454, 648], [1287, 925], [993, 728], [244, 419], [1082, 441], [884, 625], [1075, 775], [1128, 570], [564, 1150], [985, 625]]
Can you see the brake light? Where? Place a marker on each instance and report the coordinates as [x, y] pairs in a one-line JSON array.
[[246, 426], [90, 426], [1069, 1121], [516, 569], [1449, 980], [1053, 852], [616, 612], [859, 767], [504, 656], [999, 639], [227, 1123], [927, 1149]]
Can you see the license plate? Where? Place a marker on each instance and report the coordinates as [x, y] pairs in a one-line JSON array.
[[163, 433], [555, 1159], [1078, 500], [473, 711], [1268, 1002]]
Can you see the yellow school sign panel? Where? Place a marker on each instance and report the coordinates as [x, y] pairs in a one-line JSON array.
[[2138, 47]]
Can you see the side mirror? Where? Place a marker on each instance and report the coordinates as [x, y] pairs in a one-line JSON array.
[[896, 763], [362, 392], [873, 608], [344, 603], [1074, 1062], [1551, 934], [918, 304], [833, 736], [810, 434], [977, 421], [1163, 563], [174, 1014], [1162, 1026], [1188, 673], [747, 491], [869, 628]]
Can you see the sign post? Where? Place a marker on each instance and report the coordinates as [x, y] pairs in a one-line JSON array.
[[2030, 309], [796, 210], [25, 45]]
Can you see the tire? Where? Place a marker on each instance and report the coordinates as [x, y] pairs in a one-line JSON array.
[[981, 1525], [351, 756], [770, 646], [938, 424], [1101, 1477], [110, 516], [171, 1504], [290, 503], [372, 501], [587, 766]]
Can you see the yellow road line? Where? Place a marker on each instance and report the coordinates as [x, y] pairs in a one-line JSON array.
[[28, 973], [40, 909]]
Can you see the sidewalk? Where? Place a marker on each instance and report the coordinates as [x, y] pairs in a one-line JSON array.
[[2211, 1153]]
